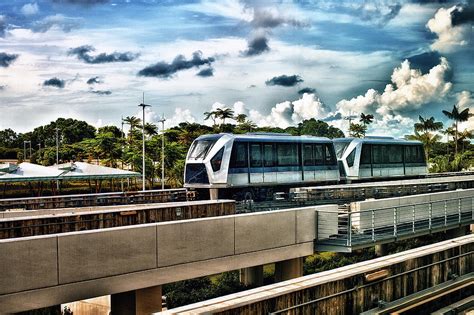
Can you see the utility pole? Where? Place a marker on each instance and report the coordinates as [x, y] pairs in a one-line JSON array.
[[143, 105], [162, 121], [57, 145]]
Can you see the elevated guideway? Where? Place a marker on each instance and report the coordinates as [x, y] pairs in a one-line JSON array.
[[56, 268], [356, 288]]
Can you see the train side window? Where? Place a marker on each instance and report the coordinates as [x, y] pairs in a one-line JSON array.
[[395, 154], [329, 154], [351, 158], [308, 159], [255, 155], [365, 154], [287, 154], [377, 154], [318, 154], [268, 155], [239, 155]]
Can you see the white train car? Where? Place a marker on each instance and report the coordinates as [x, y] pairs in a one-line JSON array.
[[257, 165], [379, 157]]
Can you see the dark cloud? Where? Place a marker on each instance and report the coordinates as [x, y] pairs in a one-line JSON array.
[[55, 82], [83, 53], [424, 61], [94, 80], [81, 2], [307, 90], [462, 15], [285, 80], [166, 70], [430, 1], [65, 23], [7, 59], [2, 87], [99, 92], [208, 72], [268, 19], [256, 46], [379, 13], [333, 117]]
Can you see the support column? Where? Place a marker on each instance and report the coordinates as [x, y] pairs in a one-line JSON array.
[[139, 302], [289, 269], [252, 276], [213, 193], [381, 250]]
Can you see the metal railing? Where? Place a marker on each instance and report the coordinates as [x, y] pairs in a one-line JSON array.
[[355, 228]]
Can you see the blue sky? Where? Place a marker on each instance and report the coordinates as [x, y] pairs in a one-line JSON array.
[[93, 59]]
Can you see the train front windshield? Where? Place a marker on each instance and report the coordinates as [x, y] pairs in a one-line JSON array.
[[200, 149], [340, 148]]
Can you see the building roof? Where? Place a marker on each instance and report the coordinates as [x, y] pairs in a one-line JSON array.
[[69, 171]]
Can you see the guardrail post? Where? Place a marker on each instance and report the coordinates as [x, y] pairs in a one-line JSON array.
[[413, 220], [459, 209], [395, 221], [373, 225], [430, 214], [445, 214], [349, 231]]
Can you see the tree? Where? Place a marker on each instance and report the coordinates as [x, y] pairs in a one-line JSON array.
[[457, 117], [224, 113], [133, 122], [357, 130], [316, 128], [366, 119], [240, 118], [211, 115], [428, 139], [151, 129], [426, 125]]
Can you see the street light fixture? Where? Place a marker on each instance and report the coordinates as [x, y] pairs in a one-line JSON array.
[[143, 105], [162, 121]]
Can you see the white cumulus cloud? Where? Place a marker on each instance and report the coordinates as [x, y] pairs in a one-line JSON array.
[[30, 9], [410, 89], [450, 37]]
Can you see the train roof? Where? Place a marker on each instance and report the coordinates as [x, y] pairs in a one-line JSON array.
[[378, 140], [277, 137]]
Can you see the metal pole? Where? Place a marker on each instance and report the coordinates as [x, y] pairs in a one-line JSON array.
[[39, 153], [123, 141], [143, 105], [57, 146], [162, 120], [30, 150], [24, 150]]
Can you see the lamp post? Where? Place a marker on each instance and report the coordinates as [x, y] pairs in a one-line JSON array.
[[24, 148], [143, 105], [162, 121], [57, 145], [39, 153]]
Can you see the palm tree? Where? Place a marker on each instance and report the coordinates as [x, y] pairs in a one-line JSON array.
[[212, 115], [240, 118], [248, 125], [133, 122], [428, 139], [429, 124], [465, 136], [357, 130], [224, 114], [366, 119], [151, 129], [458, 117]]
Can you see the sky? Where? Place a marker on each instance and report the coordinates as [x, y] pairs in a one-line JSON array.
[[279, 62]]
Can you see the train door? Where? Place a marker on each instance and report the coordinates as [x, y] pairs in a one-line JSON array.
[[269, 163], [256, 163], [308, 162]]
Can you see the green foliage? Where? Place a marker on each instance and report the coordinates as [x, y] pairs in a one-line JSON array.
[[357, 130]]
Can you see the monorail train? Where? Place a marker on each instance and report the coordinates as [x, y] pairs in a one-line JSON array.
[[255, 165]]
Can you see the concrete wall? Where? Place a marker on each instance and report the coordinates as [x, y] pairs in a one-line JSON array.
[[60, 268]]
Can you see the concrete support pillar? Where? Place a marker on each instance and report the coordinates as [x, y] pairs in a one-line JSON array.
[[213, 193], [252, 276], [381, 250], [289, 269], [139, 302]]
